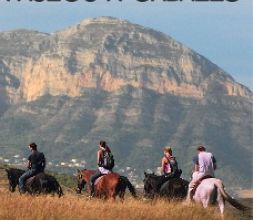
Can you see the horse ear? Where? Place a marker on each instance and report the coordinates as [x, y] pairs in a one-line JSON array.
[[145, 173]]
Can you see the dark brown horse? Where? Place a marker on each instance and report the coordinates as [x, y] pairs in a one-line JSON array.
[[107, 186]]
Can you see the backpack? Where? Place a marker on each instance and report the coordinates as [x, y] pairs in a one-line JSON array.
[[174, 167], [108, 160], [41, 164]]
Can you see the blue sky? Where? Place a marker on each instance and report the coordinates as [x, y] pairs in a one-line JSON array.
[[221, 31]]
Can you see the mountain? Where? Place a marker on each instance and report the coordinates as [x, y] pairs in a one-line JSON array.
[[132, 86]]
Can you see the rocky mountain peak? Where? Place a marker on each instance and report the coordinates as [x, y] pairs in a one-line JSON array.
[[108, 54]]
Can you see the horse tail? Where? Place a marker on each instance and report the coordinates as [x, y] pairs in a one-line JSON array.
[[231, 200], [129, 185]]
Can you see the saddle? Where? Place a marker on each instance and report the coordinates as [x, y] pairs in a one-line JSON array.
[[41, 176], [30, 180], [198, 183]]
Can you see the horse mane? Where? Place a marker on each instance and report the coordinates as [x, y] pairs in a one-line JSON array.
[[156, 177], [14, 171]]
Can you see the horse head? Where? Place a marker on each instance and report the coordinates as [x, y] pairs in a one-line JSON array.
[[149, 190], [80, 181], [13, 181]]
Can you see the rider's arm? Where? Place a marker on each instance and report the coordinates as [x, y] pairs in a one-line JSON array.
[[196, 168], [196, 163], [29, 164], [43, 161], [98, 157], [163, 164]]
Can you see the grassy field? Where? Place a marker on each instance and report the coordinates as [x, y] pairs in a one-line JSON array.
[[70, 207]]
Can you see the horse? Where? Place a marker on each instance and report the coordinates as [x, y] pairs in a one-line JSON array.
[[40, 183], [162, 186], [211, 191], [106, 186]]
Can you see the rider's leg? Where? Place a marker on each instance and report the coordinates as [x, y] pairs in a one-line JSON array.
[[92, 182], [24, 177], [195, 177]]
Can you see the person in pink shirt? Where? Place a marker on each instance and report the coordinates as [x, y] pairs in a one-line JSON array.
[[166, 160], [169, 164]]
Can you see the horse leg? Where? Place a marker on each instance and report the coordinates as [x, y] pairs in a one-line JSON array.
[[12, 188], [122, 195], [111, 194], [206, 198], [114, 198], [221, 202], [202, 196], [205, 201]]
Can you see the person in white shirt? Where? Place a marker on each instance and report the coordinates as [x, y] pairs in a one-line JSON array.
[[204, 166]]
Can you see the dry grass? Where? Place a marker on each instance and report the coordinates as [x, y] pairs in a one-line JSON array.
[[14, 206]]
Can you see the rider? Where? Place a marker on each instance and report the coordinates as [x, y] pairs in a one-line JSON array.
[[102, 153], [204, 166], [169, 164], [36, 163]]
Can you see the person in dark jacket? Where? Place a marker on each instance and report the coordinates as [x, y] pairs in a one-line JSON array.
[[36, 163]]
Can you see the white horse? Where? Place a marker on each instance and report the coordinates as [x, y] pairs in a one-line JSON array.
[[210, 191]]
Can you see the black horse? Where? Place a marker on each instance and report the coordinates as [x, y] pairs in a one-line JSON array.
[[162, 186], [41, 183]]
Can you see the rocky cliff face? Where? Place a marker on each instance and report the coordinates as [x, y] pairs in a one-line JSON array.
[[107, 54], [135, 87]]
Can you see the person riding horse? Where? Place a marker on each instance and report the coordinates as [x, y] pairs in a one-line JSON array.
[[169, 167], [105, 163], [36, 164], [204, 166], [166, 184], [169, 164]]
